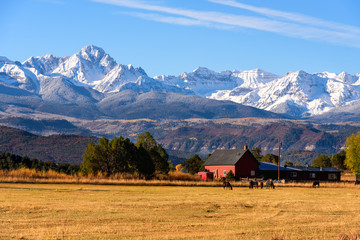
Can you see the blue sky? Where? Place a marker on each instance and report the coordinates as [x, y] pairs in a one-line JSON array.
[[175, 36]]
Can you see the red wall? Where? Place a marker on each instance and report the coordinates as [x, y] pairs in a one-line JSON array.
[[220, 170], [206, 175], [243, 167]]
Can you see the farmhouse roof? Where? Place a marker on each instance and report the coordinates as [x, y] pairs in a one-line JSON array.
[[316, 169], [266, 166], [225, 157]]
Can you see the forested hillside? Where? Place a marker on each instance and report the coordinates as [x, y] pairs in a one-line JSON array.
[[55, 148]]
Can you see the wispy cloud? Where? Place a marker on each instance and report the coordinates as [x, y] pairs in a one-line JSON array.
[[284, 23], [290, 16], [176, 20]]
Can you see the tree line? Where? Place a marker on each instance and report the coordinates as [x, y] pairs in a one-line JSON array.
[[144, 158], [336, 160], [10, 162], [343, 160]]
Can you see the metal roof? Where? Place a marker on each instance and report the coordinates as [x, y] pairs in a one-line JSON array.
[[316, 169], [225, 157], [266, 166]]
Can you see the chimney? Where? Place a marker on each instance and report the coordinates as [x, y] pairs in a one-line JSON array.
[[246, 147]]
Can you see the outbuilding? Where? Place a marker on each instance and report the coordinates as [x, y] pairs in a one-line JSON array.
[[240, 161], [243, 164], [206, 175]]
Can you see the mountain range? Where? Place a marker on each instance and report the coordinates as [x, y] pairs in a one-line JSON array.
[[89, 93], [90, 85]]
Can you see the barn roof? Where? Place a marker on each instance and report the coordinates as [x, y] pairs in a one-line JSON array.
[[266, 166], [225, 157], [316, 169]]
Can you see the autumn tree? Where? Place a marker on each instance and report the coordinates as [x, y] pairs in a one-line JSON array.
[[352, 152], [321, 161]]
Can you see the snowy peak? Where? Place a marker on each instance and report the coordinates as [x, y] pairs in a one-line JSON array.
[[45, 64], [206, 83], [119, 76], [342, 77], [253, 78], [18, 76], [87, 66], [95, 56], [91, 53]]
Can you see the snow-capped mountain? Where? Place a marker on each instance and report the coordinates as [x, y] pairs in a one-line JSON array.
[[91, 75], [298, 93], [205, 82], [92, 67]]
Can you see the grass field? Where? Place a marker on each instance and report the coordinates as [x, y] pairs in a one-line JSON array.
[[71, 211]]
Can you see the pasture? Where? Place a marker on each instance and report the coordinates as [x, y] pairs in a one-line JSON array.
[[71, 211]]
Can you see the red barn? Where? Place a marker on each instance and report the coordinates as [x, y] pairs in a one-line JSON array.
[[241, 162], [206, 175]]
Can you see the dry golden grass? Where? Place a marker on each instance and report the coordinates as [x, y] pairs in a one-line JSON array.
[[74, 211], [173, 179]]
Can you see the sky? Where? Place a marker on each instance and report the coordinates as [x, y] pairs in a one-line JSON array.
[[174, 36]]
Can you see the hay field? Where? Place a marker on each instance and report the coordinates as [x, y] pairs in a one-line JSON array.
[[71, 211]]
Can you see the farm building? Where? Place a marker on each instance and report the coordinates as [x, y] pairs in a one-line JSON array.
[[298, 173], [241, 162], [206, 175], [244, 165]]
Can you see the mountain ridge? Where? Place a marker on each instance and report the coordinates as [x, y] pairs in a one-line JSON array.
[[90, 75]]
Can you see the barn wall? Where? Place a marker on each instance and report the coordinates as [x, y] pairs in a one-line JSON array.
[[220, 170], [245, 165]]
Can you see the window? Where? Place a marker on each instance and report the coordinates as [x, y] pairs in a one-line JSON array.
[[312, 175], [252, 173], [332, 176], [224, 173], [293, 174]]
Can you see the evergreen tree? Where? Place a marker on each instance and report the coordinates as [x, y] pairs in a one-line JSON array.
[[256, 151], [230, 176], [156, 151], [118, 155], [270, 158], [194, 164], [289, 164], [338, 160]]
